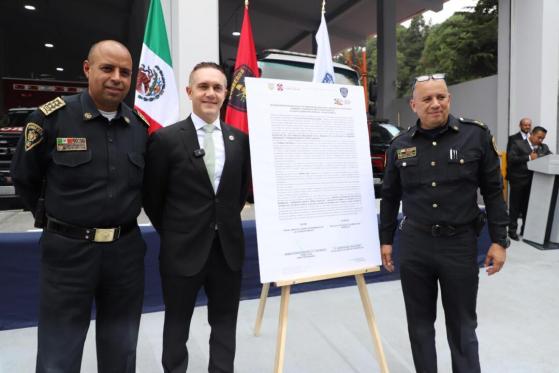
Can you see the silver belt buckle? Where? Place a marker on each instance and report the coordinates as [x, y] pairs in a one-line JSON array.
[[105, 234]]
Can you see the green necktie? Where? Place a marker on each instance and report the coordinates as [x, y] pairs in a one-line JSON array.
[[209, 149]]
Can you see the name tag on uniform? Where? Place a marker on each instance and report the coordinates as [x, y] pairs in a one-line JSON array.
[[71, 144], [406, 153]]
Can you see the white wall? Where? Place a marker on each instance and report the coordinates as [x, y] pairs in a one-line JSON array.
[[193, 29], [534, 65], [476, 99]]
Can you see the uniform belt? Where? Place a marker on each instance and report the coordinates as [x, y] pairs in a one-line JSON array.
[[437, 230], [89, 234]]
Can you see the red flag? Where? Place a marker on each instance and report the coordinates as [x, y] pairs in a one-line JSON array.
[[245, 66]]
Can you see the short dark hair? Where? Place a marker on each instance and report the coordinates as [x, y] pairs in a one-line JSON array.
[[539, 129], [204, 65]]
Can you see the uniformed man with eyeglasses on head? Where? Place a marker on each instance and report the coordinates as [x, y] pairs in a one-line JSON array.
[[435, 169]]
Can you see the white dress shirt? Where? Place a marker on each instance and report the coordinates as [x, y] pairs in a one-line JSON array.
[[217, 134]]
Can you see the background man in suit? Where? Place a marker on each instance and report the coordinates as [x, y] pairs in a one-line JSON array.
[[197, 174], [520, 178], [525, 127]]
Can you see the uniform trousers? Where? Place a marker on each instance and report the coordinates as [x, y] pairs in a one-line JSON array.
[[76, 272], [451, 262], [518, 204], [222, 287]]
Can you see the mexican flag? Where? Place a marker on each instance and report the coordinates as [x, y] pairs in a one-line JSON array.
[[156, 90]]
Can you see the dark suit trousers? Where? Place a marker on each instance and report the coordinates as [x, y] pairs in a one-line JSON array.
[[519, 197], [222, 287], [452, 262], [73, 274]]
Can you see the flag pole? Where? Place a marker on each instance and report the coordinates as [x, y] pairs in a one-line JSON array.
[[323, 6], [246, 4]]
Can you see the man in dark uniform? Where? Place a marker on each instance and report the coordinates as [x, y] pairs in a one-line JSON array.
[[81, 161], [520, 177], [435, 168]]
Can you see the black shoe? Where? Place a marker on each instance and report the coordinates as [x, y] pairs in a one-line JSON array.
[[513, 236]]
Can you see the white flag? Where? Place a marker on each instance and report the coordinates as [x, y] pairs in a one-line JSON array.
[[323, 68], [156, 91]]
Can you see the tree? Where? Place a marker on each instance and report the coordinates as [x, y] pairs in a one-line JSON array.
[[410, 45], [464, 46]]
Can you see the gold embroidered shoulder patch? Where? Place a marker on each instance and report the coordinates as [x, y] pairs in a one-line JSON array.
[[33, 135], [142, 118], [494, 145], [52, 106], [406, 153]]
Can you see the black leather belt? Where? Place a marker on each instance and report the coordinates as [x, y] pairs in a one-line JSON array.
[[437, 230], [89, 234]]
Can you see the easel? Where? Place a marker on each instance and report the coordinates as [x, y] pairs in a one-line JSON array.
[[284, 302]]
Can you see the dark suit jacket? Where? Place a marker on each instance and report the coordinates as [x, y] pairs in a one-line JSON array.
[[517, 161], [180, 201], [513, 138]]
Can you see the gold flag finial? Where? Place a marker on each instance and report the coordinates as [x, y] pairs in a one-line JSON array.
[[323, 6], [246, 3]]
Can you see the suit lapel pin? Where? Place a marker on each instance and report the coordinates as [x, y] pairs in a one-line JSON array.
[[231, 137]]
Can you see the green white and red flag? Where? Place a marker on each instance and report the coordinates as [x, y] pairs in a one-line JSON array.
[[156, 90]]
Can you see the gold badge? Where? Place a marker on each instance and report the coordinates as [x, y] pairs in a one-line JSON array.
[[494, 145], [52, 106], [146, 122], [71, 144], [406, 153], [87, 116], [33, 135]]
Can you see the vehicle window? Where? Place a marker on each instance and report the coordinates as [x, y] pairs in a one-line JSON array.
[[393, 130], [293, 71], [17, 118]]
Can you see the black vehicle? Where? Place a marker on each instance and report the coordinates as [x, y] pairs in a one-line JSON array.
[[381, 134], [11, 128]]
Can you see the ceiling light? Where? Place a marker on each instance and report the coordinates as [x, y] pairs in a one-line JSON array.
[[236, 33], [59, 69], [29, 7], [49, 45]]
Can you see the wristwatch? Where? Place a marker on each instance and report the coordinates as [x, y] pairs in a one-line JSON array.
[[505, 242]]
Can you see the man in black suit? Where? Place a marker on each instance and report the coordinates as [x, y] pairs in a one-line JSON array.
[[525, 127], [196, 179], [520, 177]]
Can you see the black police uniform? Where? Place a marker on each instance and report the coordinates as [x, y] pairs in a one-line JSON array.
[[436, 174], [93, 170]]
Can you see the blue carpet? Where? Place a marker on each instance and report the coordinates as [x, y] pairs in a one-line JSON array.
[[19, 275]]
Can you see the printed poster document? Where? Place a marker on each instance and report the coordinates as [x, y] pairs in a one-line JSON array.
[[312, 178]]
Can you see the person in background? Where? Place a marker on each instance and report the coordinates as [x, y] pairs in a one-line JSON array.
[[520, 177]]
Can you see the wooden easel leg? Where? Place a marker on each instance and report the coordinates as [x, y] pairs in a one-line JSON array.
[[282, 329], [261, 306], [371, 321]]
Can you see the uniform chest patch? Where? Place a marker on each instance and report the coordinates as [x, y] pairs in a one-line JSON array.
[[406, 153], [71, 144]]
